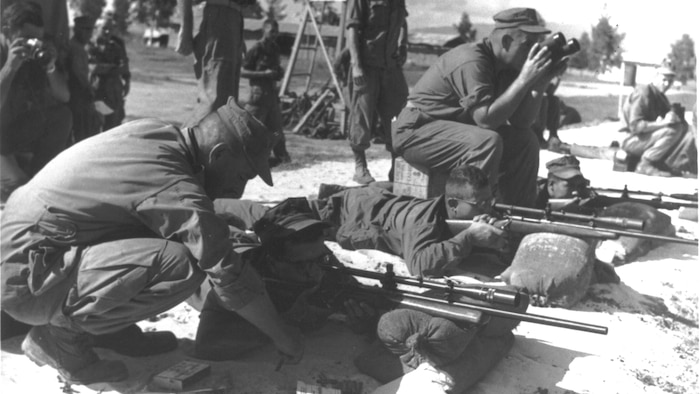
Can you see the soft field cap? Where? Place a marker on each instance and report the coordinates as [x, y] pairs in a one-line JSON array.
[[565, 167], [525, 19], [253, 135]]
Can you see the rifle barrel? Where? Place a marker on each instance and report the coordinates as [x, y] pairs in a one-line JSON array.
[[527, 317], [482, 293]]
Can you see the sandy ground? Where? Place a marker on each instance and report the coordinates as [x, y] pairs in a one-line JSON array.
[[651, 347]]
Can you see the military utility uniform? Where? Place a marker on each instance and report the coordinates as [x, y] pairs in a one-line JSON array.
[[86, 120], [263, 101], [379, 24], [110, 76], [218, 54], [436, 129], [408, 227], [115, 230], [646, 104]]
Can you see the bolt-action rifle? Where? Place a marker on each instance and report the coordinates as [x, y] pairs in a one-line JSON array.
[[461, 303], [575, 225]]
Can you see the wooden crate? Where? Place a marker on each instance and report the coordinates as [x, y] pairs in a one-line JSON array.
[[182, 374], [417, 182]]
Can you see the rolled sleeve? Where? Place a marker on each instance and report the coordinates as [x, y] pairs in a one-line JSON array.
[[474, 84], [188, 217]]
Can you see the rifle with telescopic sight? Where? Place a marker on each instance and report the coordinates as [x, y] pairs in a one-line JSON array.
[[525, 220], [460, 303]]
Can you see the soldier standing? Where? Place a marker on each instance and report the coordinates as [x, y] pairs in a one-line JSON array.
[[377, 40], [110, 74]]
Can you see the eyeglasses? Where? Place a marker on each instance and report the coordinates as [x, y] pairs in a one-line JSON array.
[[483, 205]]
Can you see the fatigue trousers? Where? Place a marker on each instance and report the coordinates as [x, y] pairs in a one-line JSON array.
[[656, 145], [108, 286], [509, 156], [218, 55], [382, 97]]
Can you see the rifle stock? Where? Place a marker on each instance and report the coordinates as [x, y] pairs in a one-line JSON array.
[[523, 225]]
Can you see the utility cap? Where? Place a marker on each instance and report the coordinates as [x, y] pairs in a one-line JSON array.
[[525, 19], [252, 134]]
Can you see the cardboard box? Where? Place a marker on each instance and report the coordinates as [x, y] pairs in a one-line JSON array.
[[184, 373], [417, 182]]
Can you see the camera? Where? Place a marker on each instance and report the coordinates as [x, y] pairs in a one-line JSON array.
[[559, 47], [37, 51]]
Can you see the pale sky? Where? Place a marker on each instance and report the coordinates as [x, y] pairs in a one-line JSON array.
[[650, 27]]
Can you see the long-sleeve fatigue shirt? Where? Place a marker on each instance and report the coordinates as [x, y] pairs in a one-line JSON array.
[[644, 104], [412, 228], [139, 180]]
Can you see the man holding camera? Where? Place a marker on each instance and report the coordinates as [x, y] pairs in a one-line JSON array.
[[476, 104], [35, 121], [654, 127]]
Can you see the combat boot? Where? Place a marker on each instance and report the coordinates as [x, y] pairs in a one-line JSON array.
[[646, 167], [133, 342], [69, 352], [362, 175]]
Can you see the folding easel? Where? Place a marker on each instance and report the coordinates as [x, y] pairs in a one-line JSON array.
[[313, 43]]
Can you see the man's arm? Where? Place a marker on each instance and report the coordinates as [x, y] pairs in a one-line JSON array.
[[504, 106], [638, 111], [355, 21], [16, 56], [427, 253], [58, 81], [248, 70], [185, 36], [358, 74], [78, 63]]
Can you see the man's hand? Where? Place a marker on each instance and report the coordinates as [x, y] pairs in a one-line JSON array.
[[362, 318], [184, 43], [400, 55], [291, 346], [483, 233], [127, 87], [358, 77], [536, 65], [17, 55], [671, 118]]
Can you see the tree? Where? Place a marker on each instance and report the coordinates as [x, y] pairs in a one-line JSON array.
[[682, 58], [580, 59], [605, 50], [465, 29], [91, 8]]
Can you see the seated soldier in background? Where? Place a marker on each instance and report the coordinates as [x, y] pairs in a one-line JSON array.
[[287, 251], [655, 129]]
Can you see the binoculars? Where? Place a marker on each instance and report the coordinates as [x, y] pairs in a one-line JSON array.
[[37, 51], [559, 47]]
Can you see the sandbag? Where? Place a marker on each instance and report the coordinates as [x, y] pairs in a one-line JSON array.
[[478, 358], [555, 269], [417, 337], [626, 249]]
